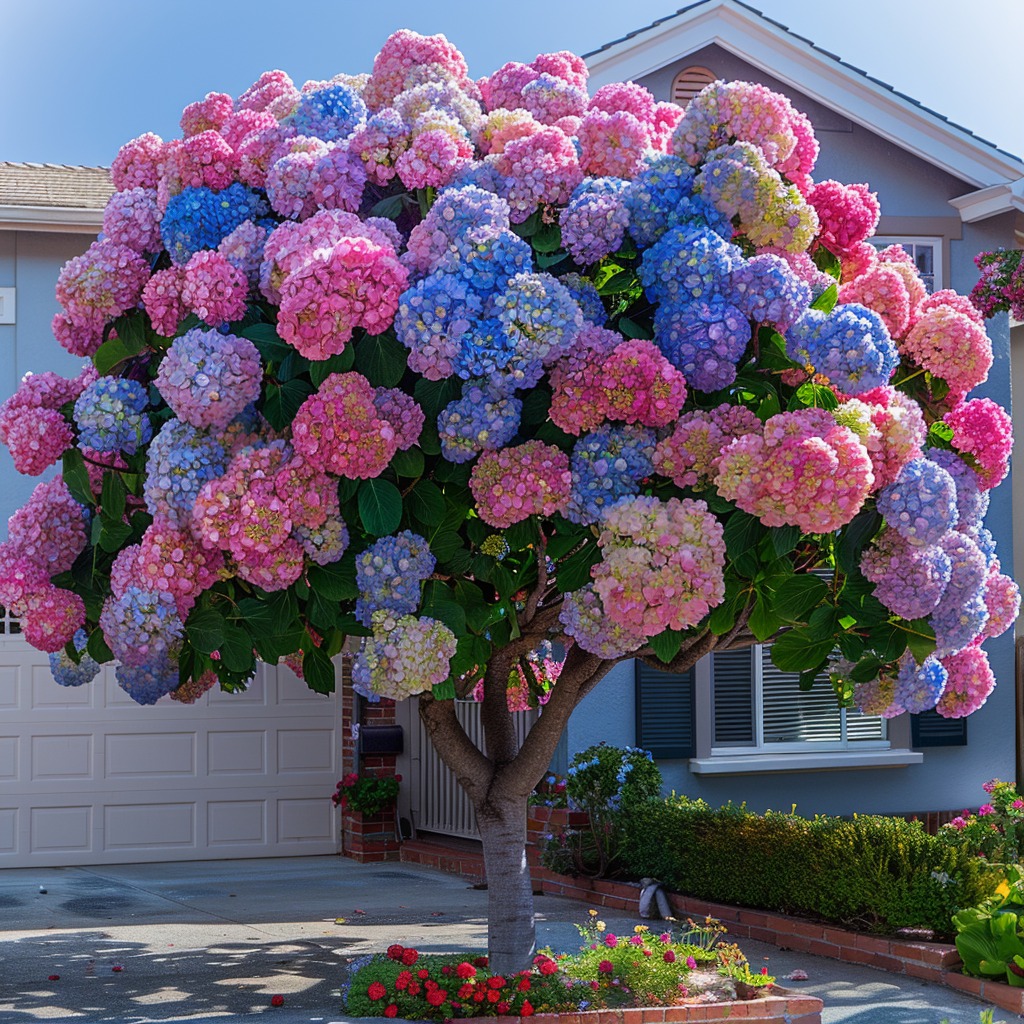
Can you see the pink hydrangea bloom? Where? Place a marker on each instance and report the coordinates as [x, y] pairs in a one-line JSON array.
[[662, 564], [192, 689], [550, 99], [501, 126], [341, 429], [948, 297], [883, 290], [586, 621], [689, 456], [542, 168], [511, 484], [982, 429], [274, 570], [78, 339], [37, 391], [877, 697], [20, 578], [243, 123], [137, 164], [402, 53], [257, 152], [162, 301], [172, 560], [562, 64], [51, 618], [969, 684], [356, 283], [101, 284], [902, 262], [37, 439], [434, 157], [952, 346], [578, 394], [630, 97], [902, 431], [1002, 599], [132, 219], [504, 88], [847, 213], [273, 89], [613, 143], [641, 386], [49, 530], [379, 143], [806, 471], [210, 113], [213, 288], [201, 160]]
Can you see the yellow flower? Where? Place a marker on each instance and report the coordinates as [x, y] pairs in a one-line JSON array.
[[593, 913], [640, 929], [600, 926]]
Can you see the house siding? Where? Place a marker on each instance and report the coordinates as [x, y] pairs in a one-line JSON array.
[[30, 262], [910, 191]]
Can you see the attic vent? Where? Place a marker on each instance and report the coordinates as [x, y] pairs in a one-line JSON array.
[[689, 82]]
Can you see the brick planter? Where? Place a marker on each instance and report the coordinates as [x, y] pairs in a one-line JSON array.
[[546, 821], [369, 837]]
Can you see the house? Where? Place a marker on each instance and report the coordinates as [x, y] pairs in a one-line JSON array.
[[87, 776], [737, 729]]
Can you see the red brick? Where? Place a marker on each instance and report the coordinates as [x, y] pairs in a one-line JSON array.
[[886, 963], [803, 1004], [821, 948], [763, 934], [872, 943], [653, 1015], [962, 983], [856, 956], [808, 928], [926, 971], [926, 953], [838, 936], [1006, 997], [633, 1016], [753, 917], [800, 943]]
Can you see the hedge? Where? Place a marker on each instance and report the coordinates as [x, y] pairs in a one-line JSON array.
[[869, 872]]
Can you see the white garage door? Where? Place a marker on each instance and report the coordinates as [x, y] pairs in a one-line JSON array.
[[87, 776]]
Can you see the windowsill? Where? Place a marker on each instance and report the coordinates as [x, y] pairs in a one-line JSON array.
[[747, 764]]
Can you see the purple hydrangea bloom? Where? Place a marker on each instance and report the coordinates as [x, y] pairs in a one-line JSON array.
[[608, 464], [110, 414], [704, 340], [595, 221], [486, 417], [389, 573], [921, 503], [766, 290]]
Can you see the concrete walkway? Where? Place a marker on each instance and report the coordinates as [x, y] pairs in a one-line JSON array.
[[213, 941]]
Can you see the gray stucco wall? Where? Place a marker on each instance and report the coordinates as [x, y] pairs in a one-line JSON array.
[[914, 200], [30, 262]]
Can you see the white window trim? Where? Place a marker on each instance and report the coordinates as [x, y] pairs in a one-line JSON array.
[[892, 752], [937, 242]]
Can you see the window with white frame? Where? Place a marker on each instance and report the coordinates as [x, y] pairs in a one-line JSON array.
[[926, 252], [758, 709]]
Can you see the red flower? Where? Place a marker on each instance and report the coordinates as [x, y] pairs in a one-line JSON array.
[[524, 985], [465, 991], [503, 1008], [493, 996], [414, 988], [446, 969], [478, 997], [403, 979], [480, 961], [548, 967], [465, 970], [409, 957], [496, 982], [395, 951], [526, 1010], [376, 990], [277, 1000], [669, 956], [437, 996], [423, 973], [606, 967], [391, 1010]]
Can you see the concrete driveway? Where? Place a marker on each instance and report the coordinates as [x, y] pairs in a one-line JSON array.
[[213, 941]]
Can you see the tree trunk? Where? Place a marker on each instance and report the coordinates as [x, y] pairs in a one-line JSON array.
[[511, 927]]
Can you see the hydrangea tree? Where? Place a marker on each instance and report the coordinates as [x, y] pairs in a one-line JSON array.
[[434, 373]]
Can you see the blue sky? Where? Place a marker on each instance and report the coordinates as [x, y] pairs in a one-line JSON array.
[[77, 79]]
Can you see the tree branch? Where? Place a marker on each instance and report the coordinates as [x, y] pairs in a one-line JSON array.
[[542, 580]]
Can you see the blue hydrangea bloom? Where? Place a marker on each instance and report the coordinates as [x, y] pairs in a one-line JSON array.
[[486, 417], [110, 415], [486, 348], [971, 500], [487, 260], [654, 194], [180, 460], [766, 290], [919, 687], [389, 573], [587, 298], [703, 340], [688, 264], [199, 218], [595, 221], [68, 673], [851, 346], [608, 464], [330, 113], [148, 682], [920, 504]]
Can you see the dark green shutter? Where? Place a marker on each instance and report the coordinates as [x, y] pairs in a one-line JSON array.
[[664, 712], [930, 729]]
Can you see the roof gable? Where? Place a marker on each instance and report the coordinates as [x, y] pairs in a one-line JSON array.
[[53, 197], [800, 64]]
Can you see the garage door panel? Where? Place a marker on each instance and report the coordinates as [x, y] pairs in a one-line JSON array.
[[63, 756], [89, 777]]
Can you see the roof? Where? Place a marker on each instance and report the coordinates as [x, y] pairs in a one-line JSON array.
[[53, 197], [806, 67]]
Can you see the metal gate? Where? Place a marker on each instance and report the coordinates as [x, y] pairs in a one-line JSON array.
[[439, 803]]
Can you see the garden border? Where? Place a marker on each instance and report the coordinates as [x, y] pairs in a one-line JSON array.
[[934, 962]]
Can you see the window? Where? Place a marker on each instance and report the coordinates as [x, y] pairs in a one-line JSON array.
[[926, 254], [756, 708], [689, 82]]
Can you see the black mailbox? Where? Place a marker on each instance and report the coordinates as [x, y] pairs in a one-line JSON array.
[[381, 739]]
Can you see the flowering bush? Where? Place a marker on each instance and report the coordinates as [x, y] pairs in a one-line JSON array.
[[644, 968], [366, 794], [996, 830]]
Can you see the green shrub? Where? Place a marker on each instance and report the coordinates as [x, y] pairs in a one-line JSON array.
[[870, 872]]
